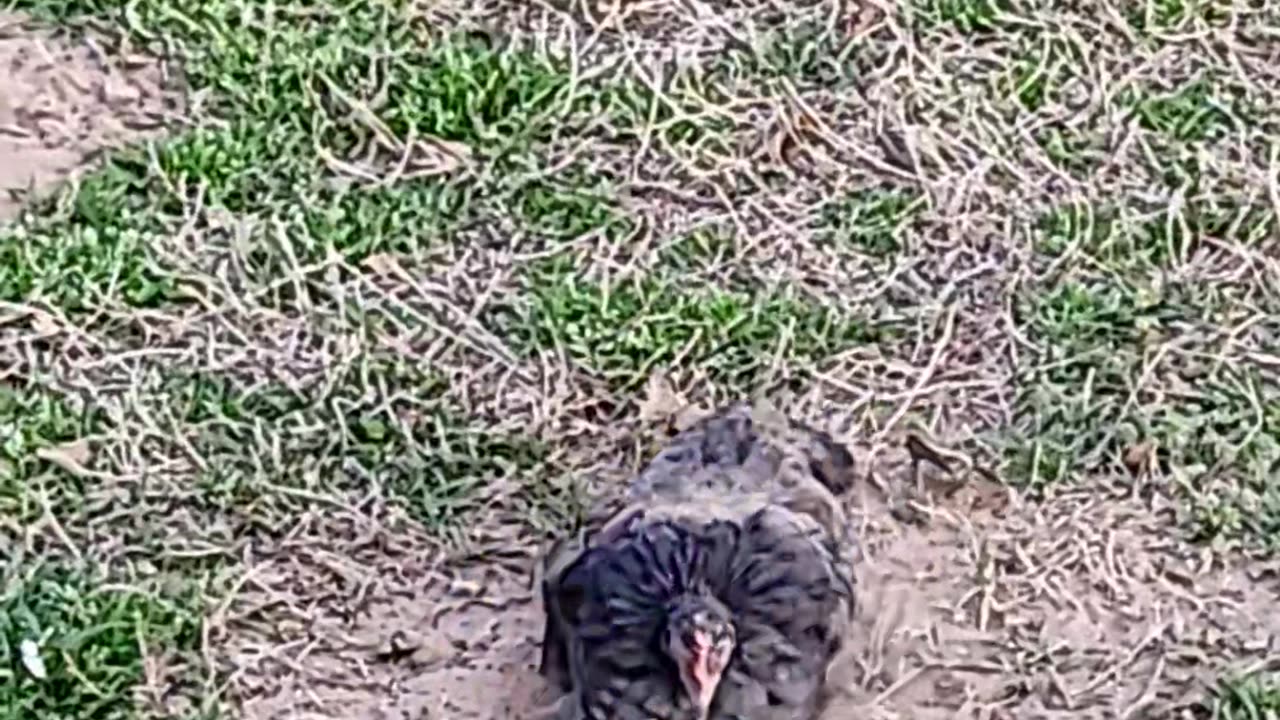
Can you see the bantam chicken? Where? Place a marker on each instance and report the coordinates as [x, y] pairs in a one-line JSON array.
[[721, 590]]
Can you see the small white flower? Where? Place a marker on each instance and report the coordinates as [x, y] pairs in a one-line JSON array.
[[32, 661]]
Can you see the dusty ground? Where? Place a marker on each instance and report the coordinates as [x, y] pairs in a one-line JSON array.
[[978, 606], [255, 397], [63, 102]]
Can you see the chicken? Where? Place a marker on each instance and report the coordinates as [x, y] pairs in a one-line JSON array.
[[720, 590]]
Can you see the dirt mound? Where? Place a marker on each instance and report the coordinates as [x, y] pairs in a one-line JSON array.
[[982, 606], [63, 101]]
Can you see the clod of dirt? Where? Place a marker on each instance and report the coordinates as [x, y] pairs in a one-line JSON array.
[[1140, 457], [664, 405]]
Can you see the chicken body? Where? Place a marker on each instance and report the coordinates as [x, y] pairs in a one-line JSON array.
[[740, 509]]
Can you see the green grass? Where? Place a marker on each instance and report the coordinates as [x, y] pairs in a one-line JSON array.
[[1029, 83], [1136, 245], [408, 219], [292, 87], [871, 221], [569, 205], [804, 52], [626, 331], [32, 419], [378, 421], [1091, 333], [967, 16], [1036, 78], [96, 250], [93, 623], [100, 245], [683, 113], [1111, 371], [698, 249], [1168, 15], [1246, 698], [92, 636], [265, 448], [291, 99], [1189, 113], [1074, 151]]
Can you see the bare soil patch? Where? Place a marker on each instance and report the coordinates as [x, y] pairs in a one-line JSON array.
[[976, 605], [384, 624], [63, 101], [1081, 606]]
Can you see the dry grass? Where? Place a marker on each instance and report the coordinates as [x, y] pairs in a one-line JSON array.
[[387, 297]]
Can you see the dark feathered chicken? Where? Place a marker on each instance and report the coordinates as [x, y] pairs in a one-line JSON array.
[[719, 592]]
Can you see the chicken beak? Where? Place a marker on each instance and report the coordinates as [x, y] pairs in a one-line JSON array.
[[700, 672], [698, 667]]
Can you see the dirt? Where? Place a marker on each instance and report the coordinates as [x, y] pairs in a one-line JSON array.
[[381, 624], [64, 100], [1082, 606], [981, 606]]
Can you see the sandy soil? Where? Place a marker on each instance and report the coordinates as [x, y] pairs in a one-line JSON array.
[[978, 607], [63, 101]]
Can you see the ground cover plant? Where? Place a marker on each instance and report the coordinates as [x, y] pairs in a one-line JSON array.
[[403, 286]]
